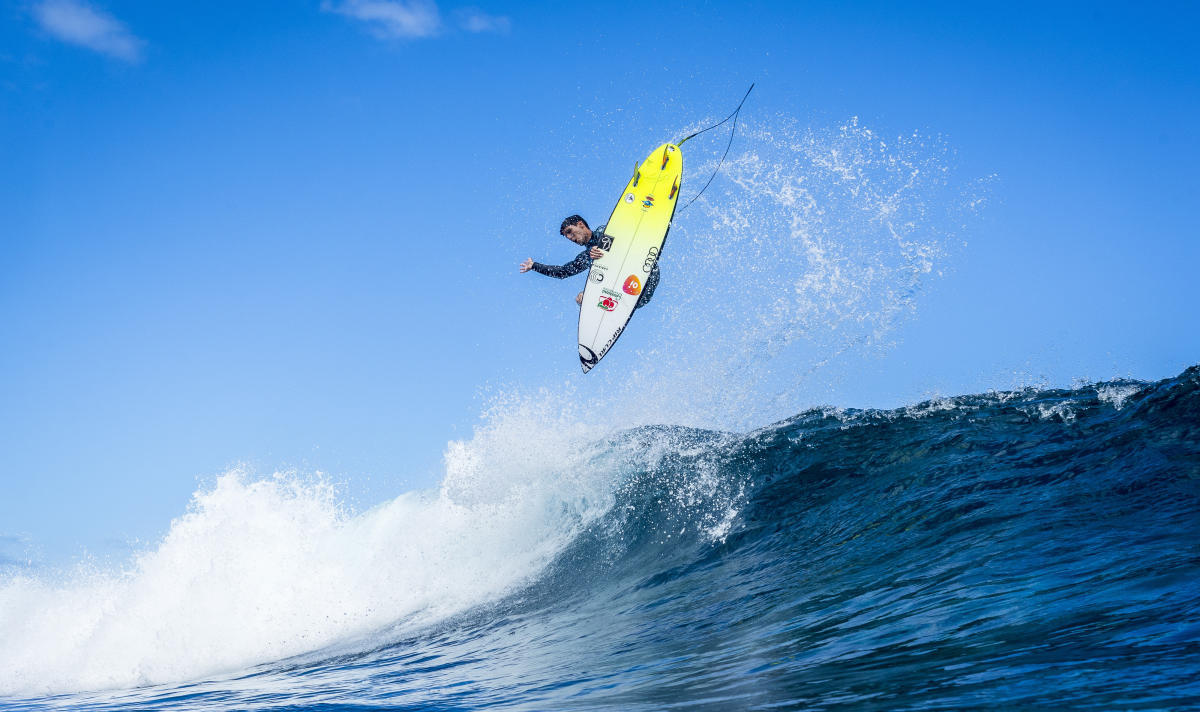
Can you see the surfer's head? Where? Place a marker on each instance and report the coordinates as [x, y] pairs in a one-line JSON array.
[[575, 229]]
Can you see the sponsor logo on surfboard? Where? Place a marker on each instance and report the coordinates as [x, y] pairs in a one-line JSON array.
[[607, 303], [611, 340], [605, 242], [587, 357], [632, 285], [651, 258], [629, 197], [590, 358], [648, 201], [598, 276]]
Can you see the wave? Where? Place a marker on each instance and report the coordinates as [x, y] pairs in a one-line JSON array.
[[1007, 548]]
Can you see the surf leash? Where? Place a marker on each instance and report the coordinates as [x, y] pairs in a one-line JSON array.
[[732, 133]]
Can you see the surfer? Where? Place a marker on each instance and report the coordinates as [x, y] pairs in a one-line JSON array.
[[576, 229]]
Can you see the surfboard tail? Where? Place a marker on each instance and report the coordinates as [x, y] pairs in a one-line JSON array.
[[587, 358]]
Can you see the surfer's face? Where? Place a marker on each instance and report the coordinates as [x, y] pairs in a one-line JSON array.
[[577, 233]]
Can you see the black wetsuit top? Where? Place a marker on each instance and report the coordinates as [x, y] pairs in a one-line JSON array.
[[583, 261]]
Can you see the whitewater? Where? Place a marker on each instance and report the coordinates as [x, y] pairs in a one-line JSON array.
[[737, 548]]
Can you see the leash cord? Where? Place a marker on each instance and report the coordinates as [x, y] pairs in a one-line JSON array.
[[732, 133]]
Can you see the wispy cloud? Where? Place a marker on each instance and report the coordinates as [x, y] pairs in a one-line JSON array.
[[391, 18], [472, 19], [409, 19], [78, 23]]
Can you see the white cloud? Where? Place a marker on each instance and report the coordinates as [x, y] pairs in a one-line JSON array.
[[473, 19], [391, 18], [78, 23]]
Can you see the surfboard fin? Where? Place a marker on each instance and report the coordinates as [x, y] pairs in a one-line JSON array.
[[637, 175], [666, 157], [674, 188]]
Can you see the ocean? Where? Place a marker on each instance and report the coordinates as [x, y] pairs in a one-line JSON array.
[[1028, 549]]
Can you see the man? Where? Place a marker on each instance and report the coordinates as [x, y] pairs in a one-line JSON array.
[[576, 229]]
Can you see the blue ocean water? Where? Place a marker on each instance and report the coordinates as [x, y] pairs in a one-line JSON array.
[[1027, 549]]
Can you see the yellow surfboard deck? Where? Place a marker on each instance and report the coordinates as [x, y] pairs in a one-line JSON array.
[[634, 237]]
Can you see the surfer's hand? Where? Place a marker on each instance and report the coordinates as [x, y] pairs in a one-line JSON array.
[[595, 253], [527, 264]]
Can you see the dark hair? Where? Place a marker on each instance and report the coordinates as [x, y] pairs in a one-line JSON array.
[[572, 220]]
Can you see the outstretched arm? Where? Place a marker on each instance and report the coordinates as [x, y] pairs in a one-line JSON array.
[[580, 263]]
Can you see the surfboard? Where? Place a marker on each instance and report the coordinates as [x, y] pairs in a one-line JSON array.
[[633, 241]]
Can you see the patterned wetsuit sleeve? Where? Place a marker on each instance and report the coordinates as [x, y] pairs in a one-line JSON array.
[[574, 267]]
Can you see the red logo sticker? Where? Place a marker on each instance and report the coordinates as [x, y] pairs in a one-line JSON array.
[[607, 303], [632, 285]]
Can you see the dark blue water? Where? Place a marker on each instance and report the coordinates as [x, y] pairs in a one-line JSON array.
[[1034, 549]]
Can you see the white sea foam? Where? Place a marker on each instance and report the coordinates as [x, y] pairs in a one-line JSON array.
[[933, 406], [1116, 394], [260, 569], [1063, 411]]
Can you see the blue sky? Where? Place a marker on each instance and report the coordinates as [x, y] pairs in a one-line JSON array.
[[285, 233]]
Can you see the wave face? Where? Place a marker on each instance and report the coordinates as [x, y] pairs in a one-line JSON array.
[[1028, 549]]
